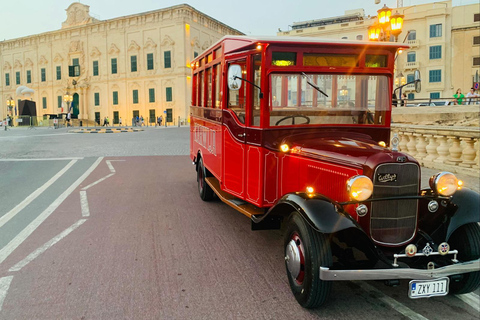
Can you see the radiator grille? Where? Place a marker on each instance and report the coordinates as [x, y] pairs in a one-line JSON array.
[[394, 221]]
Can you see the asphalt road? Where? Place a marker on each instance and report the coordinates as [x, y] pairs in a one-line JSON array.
[[110, 226]]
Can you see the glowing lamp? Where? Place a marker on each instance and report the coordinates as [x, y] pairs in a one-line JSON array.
[[359, 188], [384, 16], [284, 147], [396, 24], [444, 183], [374, 32]]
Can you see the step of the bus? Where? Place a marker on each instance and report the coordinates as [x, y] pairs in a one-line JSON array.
[[234, 202]]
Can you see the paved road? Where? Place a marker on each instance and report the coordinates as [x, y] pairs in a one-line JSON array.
[[115, 229]]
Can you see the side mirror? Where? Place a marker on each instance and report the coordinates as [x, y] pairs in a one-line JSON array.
[[418, 86], [234, 77]]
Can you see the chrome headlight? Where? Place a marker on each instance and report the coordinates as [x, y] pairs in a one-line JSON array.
[[359, 188], [444, 183]]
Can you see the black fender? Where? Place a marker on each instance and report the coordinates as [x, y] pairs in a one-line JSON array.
[[320, 212], [467, 204]]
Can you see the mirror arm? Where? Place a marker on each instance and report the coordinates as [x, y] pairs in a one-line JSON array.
[[406, 84], [253, 84]]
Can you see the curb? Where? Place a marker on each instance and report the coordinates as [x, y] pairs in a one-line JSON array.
[[103, 130]]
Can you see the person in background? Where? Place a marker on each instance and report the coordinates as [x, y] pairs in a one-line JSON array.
[[470, 95], [404, 100], [458, 97], [120, 121]]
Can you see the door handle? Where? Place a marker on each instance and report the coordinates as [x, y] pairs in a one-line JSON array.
[[241, 135]]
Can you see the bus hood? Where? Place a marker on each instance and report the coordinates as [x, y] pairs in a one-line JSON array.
[[352, 149]]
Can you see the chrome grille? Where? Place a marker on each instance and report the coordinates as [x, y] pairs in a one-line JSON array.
[[394, 221]]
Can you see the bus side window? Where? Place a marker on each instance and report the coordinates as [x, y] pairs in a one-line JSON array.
[[237, 98], [257, 79]]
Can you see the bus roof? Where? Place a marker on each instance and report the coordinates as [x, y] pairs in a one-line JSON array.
[[237, 43]]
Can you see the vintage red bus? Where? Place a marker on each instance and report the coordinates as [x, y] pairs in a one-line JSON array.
[[295, 133]]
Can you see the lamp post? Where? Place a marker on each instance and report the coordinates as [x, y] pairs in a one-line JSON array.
[[10, 106]]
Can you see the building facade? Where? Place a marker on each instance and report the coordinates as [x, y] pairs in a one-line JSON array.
[[117, 68], [444, 44]]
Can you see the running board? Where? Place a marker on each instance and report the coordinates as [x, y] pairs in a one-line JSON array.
[[244, 207]]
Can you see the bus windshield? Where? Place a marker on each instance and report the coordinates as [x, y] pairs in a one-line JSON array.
[[311, 99]]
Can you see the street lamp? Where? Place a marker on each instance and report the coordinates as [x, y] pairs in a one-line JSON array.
[[10, 106], [386, 25], [68, 98]]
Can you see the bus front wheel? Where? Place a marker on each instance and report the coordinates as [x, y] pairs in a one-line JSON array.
[[306, 250]]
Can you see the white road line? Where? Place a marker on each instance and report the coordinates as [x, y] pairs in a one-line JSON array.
[[110, 166], [46, 246], [98, 181], [42, 159], [4, 285], [471, 299], [397, 306], [84, 204], [19, 207], [25, 233]]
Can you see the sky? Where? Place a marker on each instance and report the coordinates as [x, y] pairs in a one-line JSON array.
[[20, 18]]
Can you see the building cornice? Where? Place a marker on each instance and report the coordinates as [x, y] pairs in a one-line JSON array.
[[181, 12]]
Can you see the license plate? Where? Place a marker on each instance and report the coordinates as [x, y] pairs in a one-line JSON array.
[[428, 288]]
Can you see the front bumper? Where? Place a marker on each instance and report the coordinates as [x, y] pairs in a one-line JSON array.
[[399, 273]]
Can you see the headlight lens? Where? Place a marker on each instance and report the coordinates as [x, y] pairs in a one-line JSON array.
[[444, 183], [360, 188]]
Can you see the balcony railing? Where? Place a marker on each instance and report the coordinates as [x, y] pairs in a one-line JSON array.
[[412, 65], [454, 149], [413, 43]]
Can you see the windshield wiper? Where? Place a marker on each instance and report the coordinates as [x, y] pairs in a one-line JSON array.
[[310, 82]]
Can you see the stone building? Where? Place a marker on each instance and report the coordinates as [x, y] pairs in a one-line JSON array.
[[122, 67], [444, 43]]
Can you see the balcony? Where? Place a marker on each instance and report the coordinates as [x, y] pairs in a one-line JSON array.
[[414, 65], [413, 43]]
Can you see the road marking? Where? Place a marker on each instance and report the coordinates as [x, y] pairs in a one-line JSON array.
[[19, 207], [98, 181], [397, 306], [25, 233], [43, 159], [46, 246], [110, 166], [84, 204], [471, 299], [4, 285]]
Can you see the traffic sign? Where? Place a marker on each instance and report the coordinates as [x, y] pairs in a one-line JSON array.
[[476, 86]]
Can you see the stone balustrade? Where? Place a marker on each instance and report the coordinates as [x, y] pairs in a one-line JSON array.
[[454, 149]]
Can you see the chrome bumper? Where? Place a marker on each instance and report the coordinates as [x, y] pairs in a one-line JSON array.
[[399, 273]]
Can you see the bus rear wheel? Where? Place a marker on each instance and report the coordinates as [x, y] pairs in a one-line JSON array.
[[204, 190], [306, 250]]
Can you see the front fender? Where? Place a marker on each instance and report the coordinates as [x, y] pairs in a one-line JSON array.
[[319, 212], [467, 203]]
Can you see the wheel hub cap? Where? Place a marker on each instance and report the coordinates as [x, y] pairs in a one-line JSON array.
[[293, 259]]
